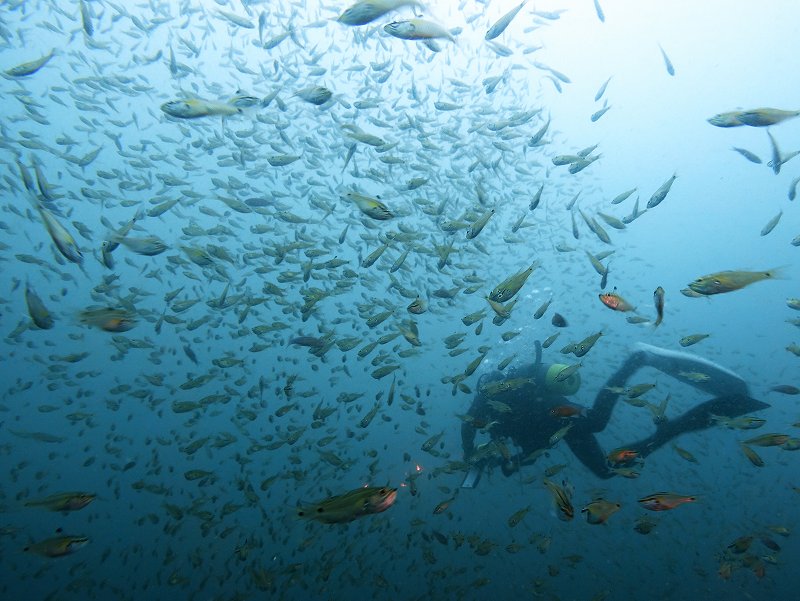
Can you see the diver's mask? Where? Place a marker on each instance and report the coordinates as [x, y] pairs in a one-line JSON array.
[[565, 387]]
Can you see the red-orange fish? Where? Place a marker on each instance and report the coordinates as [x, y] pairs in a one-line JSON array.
[[567, 411], [614, 301], [622, 457]]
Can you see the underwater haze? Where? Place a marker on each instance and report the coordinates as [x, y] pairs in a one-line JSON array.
[[258, 258]]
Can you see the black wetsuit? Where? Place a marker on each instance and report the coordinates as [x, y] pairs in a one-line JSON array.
[[530, 425], [528, 422]]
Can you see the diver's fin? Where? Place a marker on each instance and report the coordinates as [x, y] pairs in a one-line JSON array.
[[473, 477]]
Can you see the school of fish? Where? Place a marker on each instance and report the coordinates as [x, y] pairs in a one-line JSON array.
[[255, 256]]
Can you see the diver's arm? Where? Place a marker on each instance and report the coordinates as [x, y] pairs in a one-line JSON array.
[[479, 409], [721, 381], [511, 467]]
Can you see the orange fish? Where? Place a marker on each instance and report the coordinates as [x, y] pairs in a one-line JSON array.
[[662, 501], [622, 457], [614, 301], [567, 411]]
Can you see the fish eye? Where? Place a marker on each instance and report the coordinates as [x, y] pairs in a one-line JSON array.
[[717, 282]]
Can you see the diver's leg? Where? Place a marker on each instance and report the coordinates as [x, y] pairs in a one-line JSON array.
[[697, 418], [720, 382], [585, 447], [597, 417]]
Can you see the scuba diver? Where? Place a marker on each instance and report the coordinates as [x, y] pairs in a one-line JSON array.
[[529, 407]]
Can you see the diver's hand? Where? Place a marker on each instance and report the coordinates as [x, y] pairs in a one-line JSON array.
[[509, 467]]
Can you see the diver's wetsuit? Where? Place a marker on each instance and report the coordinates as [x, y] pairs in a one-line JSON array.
[[530, 425]]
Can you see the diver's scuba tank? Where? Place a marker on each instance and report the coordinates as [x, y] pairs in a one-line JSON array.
[[543, 375], [546, 375]]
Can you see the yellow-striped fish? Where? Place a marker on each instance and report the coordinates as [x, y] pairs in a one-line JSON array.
[[728, 281]]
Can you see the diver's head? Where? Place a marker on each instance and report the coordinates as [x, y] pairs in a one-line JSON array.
[[567, 386]]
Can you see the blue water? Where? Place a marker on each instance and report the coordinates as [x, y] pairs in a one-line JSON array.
[[154, 534]]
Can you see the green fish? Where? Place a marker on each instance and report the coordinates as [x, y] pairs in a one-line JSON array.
[[62, 239], [599, 510], [40, 315], [728, 281], [57, 546], [30, 67], [692, 339], [344, 508], [65, 501], [506, 289], [371, 207]]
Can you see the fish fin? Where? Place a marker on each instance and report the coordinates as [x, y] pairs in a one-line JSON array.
[[303, 509], [777, 273]]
